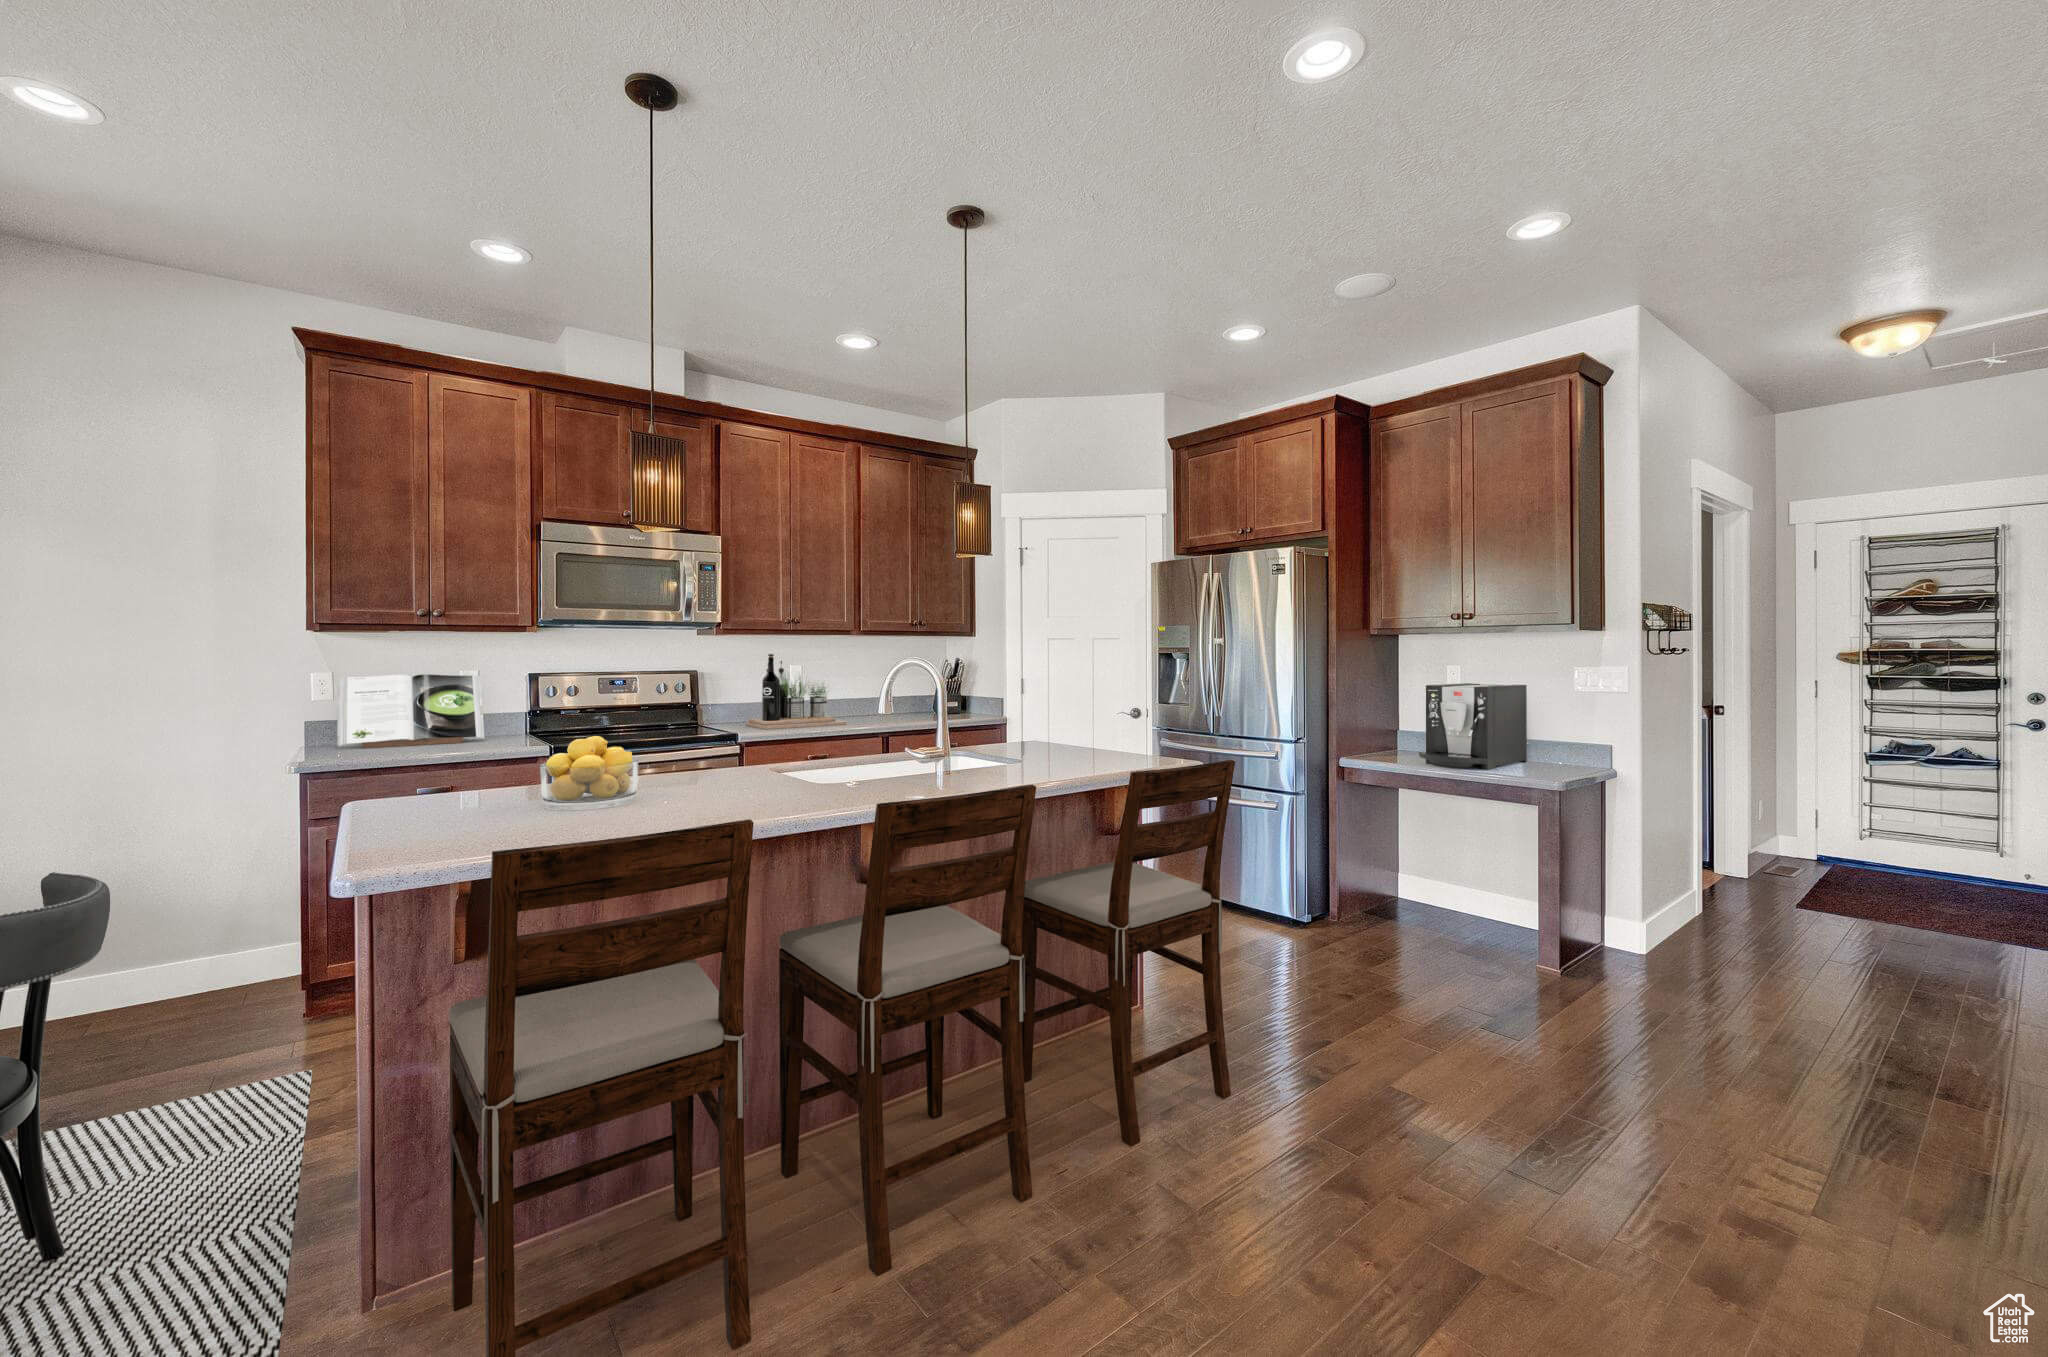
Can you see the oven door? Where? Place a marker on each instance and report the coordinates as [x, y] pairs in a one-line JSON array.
[[596, 583]]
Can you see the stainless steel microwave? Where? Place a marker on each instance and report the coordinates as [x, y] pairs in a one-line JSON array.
[[593, 576]]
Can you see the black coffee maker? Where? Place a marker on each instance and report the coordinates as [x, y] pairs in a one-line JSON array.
[[1476, 725]]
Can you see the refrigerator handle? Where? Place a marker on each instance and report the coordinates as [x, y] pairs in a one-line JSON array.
[[1212, 641]]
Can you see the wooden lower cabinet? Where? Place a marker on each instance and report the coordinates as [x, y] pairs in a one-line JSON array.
[[327, 926], [973, 735], [799, 751]]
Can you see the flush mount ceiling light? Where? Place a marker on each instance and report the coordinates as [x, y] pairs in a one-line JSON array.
[[1537, 225], [1243, 334], [854, 339], [50, 101], [1890, 336], [1323, 55], [500, 251], [1361, 285]]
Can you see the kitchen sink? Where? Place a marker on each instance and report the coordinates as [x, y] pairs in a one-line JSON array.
[[897, 767]]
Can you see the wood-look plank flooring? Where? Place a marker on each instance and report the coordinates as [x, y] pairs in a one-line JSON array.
[[1782, 1132]]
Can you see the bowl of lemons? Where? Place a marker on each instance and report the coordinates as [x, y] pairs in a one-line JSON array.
[[590, 772]]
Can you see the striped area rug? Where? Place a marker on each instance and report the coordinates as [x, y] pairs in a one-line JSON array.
[[177, 1228]]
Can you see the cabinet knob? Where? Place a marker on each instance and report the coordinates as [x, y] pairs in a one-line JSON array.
[[438, 612], [419, 612]]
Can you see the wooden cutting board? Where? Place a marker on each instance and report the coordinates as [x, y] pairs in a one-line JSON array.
[[791, 722]]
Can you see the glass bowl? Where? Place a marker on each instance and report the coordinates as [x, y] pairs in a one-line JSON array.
[[579, 783]]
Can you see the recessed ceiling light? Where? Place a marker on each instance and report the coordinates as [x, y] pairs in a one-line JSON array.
[[1243, 334], [1537, 225], [500, 251], [854, 339], [1360, 285], [49, 100], [1322, 55], [1890, 336]]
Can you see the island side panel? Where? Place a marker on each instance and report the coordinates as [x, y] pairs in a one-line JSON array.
[[406, 944]]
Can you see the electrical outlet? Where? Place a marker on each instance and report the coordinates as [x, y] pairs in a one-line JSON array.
[[1601, 678], [1454, 674], [322, 686]]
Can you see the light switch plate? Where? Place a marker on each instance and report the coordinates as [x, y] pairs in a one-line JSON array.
[[1454, 673], [1600, 678], [322, 686]]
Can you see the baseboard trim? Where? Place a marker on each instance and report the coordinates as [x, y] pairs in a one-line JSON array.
[[73, 996], [1778, 846], [1506, 909], [1642, 935]]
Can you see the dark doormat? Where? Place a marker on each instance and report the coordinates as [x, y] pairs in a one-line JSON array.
[[1962, 908]]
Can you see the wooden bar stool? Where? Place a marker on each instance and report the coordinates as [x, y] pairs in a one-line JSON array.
[[911, 959], [583, 1024], [1123, 910]]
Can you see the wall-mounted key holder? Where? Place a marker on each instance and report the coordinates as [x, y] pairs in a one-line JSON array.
[[1660, 621]]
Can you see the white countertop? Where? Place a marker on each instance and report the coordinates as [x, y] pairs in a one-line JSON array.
[[414, 842]]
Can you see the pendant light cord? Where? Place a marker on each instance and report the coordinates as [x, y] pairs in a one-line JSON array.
[[965, 404], [650, 267]]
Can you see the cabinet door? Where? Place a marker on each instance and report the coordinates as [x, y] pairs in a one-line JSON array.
[[942, 584], [824, 509], [700, 470], [1417, 522], [480, 444], [753, 515], [1282, 478], [367, 483], [1519, 506], [1209, 496], [803, 751], [327, 928], [586, 471], [888, 497]]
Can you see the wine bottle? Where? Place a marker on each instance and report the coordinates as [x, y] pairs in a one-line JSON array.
[[782, 692], [771, 692]]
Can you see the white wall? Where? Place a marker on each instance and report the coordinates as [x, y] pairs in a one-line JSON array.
[[1988, 429], [152, 534], [1690, 411]]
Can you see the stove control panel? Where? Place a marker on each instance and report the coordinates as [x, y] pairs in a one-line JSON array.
[[575, 692]]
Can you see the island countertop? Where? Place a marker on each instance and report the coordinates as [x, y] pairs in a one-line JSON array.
[[414, 842]]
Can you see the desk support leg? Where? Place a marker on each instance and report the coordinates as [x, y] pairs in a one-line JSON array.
[[1571, 875]]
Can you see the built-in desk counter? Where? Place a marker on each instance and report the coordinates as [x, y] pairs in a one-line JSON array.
[[416, 867], [1571, 834]]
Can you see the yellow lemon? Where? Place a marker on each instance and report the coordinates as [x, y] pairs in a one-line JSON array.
[[565, 789], [616, 758], [605, 787], [558, 764], [598, 744], [587, 769], [578, 748]]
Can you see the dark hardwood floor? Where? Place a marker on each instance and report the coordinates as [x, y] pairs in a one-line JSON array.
[[1782, 1132]]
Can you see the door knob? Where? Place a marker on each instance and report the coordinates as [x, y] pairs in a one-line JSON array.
[[1134, 713], [2036, 724]]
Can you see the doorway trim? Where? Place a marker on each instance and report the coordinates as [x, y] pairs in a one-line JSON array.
[[1730, 502], [1806, 515], [1014, 509]]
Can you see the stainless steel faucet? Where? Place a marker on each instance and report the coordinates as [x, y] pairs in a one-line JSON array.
[[887, 706]]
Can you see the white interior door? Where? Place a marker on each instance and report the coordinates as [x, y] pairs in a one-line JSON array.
[[1942, 816], [1086, 604]]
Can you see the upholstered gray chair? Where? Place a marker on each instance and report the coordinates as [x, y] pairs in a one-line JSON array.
[[36, 944]]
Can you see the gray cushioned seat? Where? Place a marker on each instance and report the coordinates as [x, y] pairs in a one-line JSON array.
[[584, 1034], [1085, 894], [920, 948]]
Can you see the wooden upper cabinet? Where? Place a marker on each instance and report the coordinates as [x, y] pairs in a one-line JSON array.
[[480, 448], [700, 469], [888, 506], [942, 584], [586, 473], [1502, 474], [824, 557], [367, 490], [1416, 508], [1282, 471], [1208, 496], [753, 516]]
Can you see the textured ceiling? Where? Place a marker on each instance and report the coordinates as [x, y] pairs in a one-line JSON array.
[[1758, 174]]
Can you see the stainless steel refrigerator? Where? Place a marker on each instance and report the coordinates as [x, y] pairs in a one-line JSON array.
[[1238, 676]]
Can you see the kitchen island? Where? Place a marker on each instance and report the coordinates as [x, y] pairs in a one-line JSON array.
[[418, 868]]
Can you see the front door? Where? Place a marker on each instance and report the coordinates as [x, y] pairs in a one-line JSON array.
[[1083, 632], [1925, 759]]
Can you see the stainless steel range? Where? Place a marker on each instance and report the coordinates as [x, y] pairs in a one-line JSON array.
[[652, 714]]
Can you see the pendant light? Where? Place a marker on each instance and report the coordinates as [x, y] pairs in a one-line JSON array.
[[971, 527], [657, 458]]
